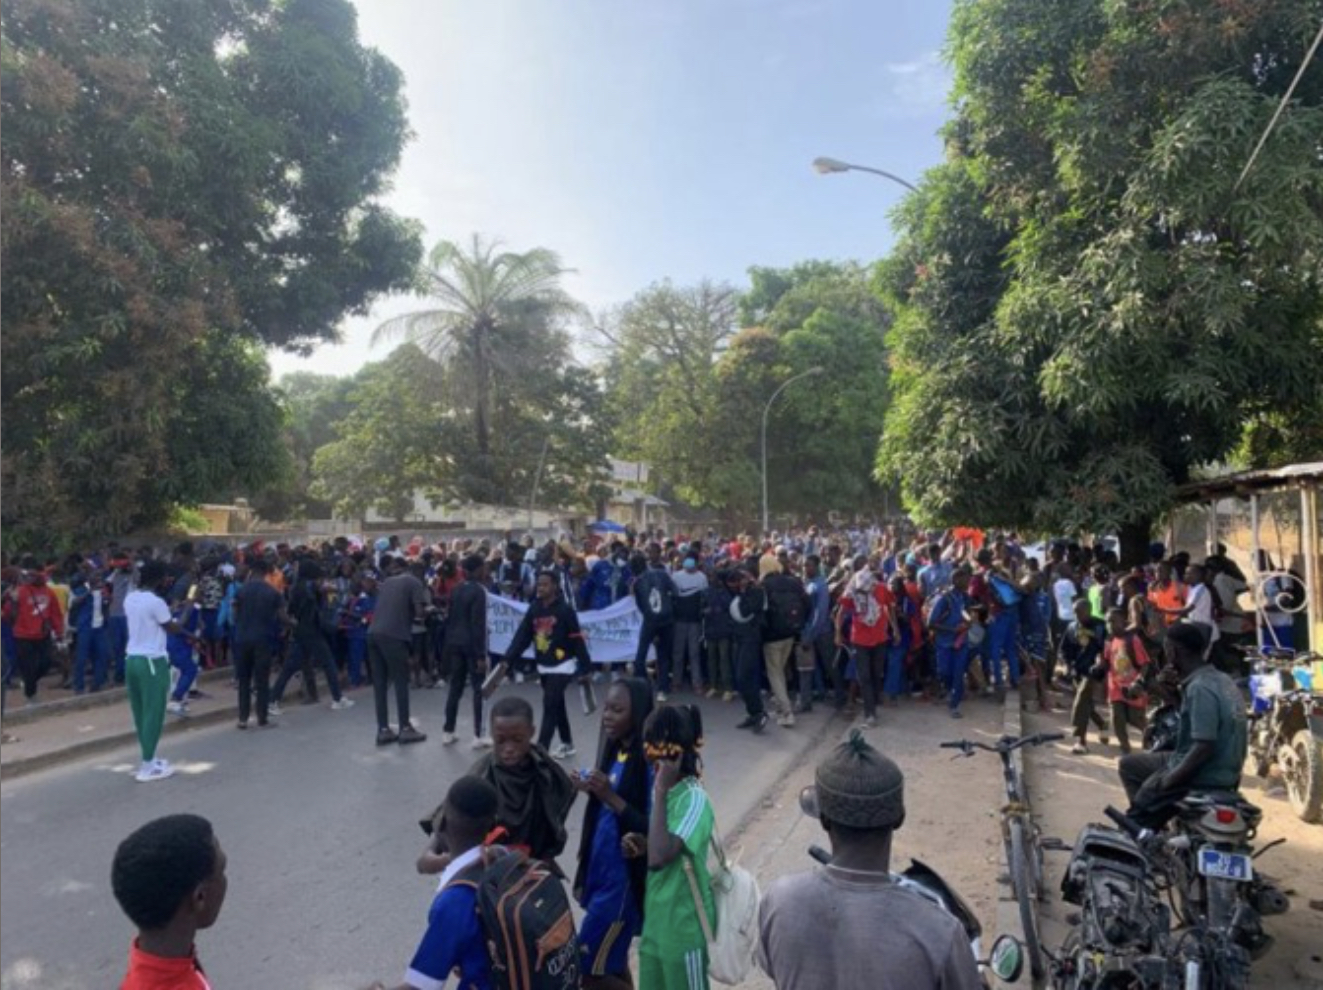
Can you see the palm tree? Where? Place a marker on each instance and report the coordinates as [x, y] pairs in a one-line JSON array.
[[497, 311]]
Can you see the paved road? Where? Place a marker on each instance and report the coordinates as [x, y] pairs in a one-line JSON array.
[[321, 831]]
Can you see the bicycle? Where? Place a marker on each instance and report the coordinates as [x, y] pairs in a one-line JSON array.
[[1020, 837]]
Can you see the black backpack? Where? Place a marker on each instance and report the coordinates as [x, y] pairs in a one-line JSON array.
[[526, 921], [787, 610]]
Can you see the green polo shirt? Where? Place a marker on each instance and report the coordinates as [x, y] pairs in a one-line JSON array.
[[1212, 711]]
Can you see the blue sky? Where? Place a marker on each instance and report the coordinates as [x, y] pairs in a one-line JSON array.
[[646, 139]]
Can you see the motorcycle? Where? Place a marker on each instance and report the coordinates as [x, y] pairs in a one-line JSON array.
[[1005, 961], [1122, 939], [1205, 858], [1286, 726]]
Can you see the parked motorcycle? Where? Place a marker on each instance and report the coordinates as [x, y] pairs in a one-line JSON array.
[[1205, 857], [1005, 961], [1286, 725], [1122, 939]]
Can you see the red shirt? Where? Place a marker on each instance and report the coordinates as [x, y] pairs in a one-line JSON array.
[[149, 972], [865, 635], [37, 612], [1125, 659]]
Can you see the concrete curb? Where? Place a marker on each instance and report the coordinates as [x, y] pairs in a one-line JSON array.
[[22, 766], [82, 702]]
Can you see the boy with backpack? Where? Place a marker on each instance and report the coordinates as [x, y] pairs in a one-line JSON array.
[[1125, 663], [454, 940], [499, 919]]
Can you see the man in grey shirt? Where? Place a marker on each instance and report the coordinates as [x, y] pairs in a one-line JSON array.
[[849, 925], [401, 600]]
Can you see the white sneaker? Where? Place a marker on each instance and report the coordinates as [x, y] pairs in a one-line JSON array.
[[156, 770], [481, 742], [342, 704], [177, 708], [662, 696], [564, 752], [449, 739], [274, 708]]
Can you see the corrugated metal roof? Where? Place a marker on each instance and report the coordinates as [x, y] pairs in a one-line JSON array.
[[1244, 482]]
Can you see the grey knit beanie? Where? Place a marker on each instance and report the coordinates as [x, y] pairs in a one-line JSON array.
[[859, 787]]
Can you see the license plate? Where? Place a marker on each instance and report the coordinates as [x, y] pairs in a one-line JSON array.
[[1225, 866]]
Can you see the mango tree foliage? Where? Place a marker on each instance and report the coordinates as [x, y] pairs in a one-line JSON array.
[[1088, 308], [179, 179]]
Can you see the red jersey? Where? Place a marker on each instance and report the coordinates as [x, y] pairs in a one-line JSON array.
[[1125, 659], [149, 972], [37, 612], [862, 634]]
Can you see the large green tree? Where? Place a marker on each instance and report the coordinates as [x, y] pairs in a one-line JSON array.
[[1089, 307], [179, 178], [497, 327], [662, 349]]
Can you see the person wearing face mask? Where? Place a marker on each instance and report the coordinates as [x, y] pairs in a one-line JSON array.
[[690, 594]]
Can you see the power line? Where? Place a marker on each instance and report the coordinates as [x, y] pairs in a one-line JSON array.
[[1286, 98]]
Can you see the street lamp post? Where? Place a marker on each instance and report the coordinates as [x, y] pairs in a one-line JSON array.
[[766, 412], [826, 166]]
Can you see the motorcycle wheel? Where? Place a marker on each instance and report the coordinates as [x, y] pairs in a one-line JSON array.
[[1303, 776]]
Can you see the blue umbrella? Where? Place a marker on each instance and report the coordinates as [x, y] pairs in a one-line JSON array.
[[607, 526]]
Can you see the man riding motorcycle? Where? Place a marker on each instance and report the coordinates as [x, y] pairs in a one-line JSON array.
[[1211, 738]]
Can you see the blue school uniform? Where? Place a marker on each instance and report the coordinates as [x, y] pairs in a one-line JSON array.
[[952, 650], [180, 649], [612, 919], [453, 942], [897, 650], [92, 644], [360, 615], [1035, 620]]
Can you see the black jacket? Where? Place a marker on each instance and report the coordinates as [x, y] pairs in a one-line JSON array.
[[466, 627], [634, 786]]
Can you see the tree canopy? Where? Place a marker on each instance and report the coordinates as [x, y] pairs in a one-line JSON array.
[[180, 181], [1087, 306]]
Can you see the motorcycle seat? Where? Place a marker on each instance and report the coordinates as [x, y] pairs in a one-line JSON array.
[[1200, 801]]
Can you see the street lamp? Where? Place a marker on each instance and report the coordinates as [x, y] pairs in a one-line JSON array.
[[827, 166], [766, 411]]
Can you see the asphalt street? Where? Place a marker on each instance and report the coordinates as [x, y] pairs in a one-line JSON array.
[[321, 830]]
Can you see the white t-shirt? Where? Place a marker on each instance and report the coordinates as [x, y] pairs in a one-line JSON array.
[[147, 614], [1229, 590], [1200, 602], [1063, 590]]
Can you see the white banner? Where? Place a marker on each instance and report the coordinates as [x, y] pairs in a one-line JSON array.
[[612, 633]]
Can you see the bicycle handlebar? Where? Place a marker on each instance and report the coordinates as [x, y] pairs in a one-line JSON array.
[[1005, 744]]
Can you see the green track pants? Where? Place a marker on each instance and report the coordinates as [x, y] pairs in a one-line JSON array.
[[148, 680]]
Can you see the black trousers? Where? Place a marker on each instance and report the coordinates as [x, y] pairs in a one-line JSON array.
[[1150, 805], [554, 716], [34, 659], [253, 660], [464, 667], [389, 660], [749, 673], [664, 637]]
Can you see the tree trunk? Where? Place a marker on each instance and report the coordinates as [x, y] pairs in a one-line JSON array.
[[1135, 538]]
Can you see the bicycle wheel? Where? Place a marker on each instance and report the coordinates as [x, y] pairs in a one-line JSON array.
[[1025, 894]]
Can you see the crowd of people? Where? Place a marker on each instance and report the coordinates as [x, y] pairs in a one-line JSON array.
[[858, 620], [862, 618], [642, 877]]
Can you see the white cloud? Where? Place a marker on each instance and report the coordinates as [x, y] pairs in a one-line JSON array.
[[916, 87]]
